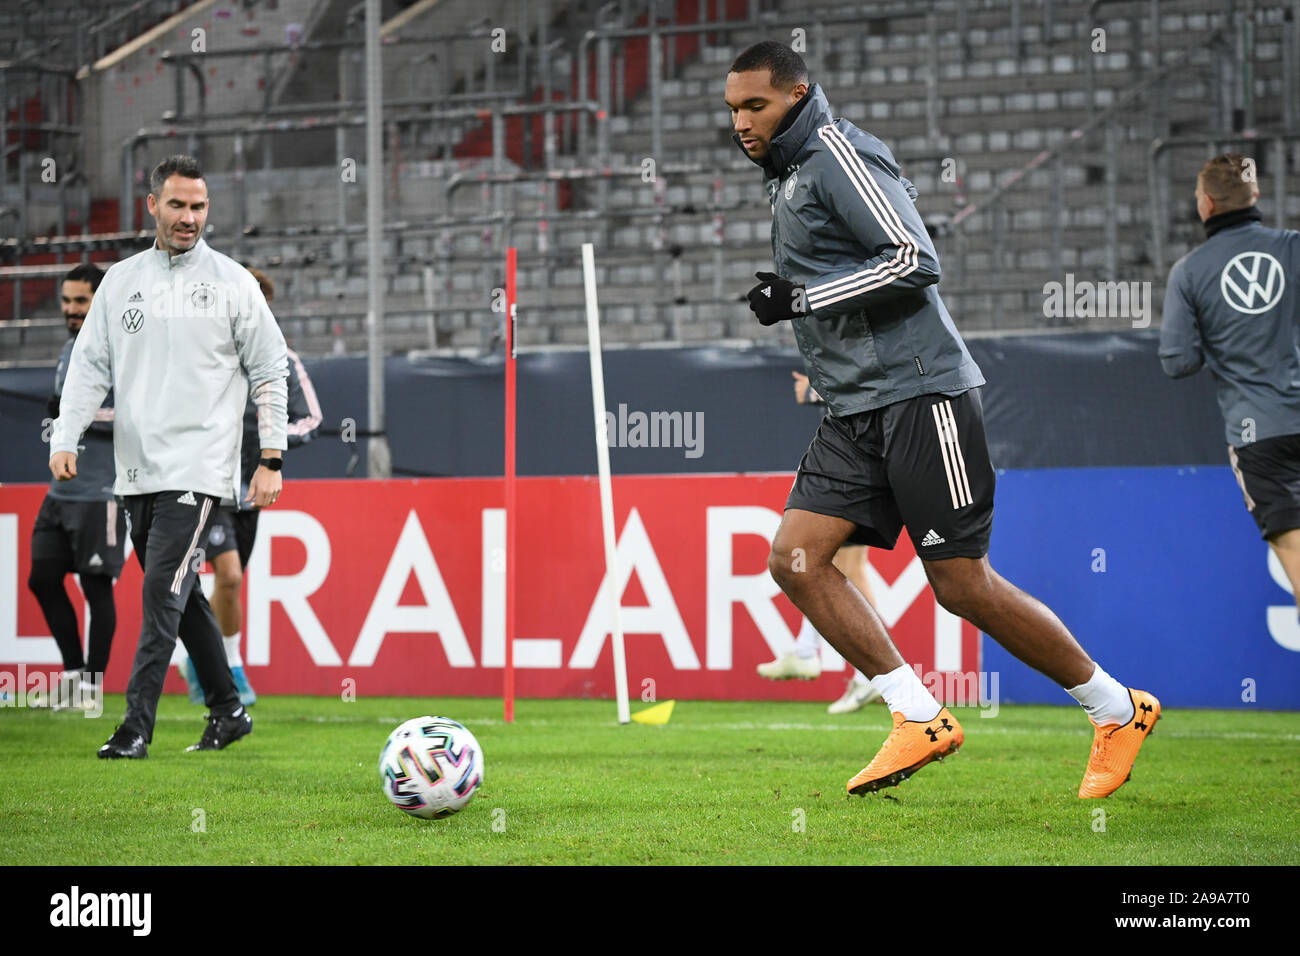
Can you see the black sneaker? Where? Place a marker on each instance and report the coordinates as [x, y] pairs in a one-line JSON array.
[[124, 743], [221, 732]]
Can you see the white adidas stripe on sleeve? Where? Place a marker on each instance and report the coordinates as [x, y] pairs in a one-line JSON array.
[[905, 259], [305, 426]]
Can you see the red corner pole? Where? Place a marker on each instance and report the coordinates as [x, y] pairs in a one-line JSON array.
[[508, 690]]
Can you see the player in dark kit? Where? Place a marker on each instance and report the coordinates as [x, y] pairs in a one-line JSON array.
[[80, 529], [903, 444], [234, 526], [1232, 304]]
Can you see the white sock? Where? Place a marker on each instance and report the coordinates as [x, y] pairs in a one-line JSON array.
[[905, 694], [808, 643], [1104, 699], [232, 650], [860, 678]]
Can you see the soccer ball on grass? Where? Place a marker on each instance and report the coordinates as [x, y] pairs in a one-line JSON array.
[[431, 767]]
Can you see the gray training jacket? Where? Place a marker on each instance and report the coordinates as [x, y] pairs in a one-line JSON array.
[[845, 226], [305, 419], [94, 480], [1232, 303], [182, 341]]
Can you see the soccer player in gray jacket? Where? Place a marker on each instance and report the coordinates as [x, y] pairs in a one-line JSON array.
[[183, 336], [903, 445], [1232, 304]]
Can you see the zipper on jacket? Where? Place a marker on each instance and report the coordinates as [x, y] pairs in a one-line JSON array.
[[920, 369]]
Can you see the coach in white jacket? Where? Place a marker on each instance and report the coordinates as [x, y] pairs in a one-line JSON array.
[[183, 336]]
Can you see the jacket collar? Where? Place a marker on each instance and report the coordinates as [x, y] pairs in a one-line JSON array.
[[166, 261], [1226, 220], [798, 126]]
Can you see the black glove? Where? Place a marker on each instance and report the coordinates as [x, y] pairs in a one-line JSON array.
[[52, 406], [775, 299]]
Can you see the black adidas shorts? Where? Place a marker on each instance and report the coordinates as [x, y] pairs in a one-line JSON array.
[[922, 463], [88, 537], [232, 530], [1268, 472]]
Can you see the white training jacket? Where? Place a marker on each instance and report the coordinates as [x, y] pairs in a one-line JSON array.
[[182, 341]]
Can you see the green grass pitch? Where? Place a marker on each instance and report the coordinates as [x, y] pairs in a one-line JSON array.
[[723, 783]]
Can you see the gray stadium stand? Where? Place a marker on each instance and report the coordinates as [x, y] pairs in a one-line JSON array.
[[1046, 139]]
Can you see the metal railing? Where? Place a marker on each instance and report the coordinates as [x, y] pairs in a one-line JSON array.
[[60, 135], [128, 22], [608, 69], [84, 244], [1105, 120], [267, 52], [56, 32], [443, 262], [241, 132], [602, 215], [1235, 91]]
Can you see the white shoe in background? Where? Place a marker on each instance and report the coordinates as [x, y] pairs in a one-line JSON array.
[[858, 694], [791, 665]]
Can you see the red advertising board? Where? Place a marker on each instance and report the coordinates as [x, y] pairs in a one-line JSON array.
[[399, 587]]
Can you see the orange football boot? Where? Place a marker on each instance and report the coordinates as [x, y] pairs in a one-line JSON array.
[[910, 746], [1115, 747]]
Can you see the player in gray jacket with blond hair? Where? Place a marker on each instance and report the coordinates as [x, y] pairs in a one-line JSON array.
[[1229, 307]]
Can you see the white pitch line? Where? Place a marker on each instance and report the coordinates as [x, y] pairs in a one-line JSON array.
[[976, 729]]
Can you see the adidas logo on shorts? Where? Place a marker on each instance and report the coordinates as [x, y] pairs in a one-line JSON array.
[[95, 561], [186, 499], [931, 537]]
